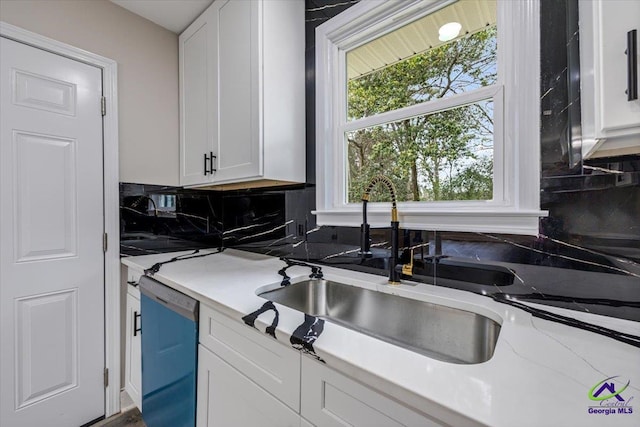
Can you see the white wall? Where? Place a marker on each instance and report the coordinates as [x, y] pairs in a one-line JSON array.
[[147, 57]]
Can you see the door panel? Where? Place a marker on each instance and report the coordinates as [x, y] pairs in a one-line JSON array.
[[51, 226], [44, 93], [45, 175], [38, 332]]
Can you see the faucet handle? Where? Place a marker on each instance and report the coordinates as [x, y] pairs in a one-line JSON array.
[[407, 269]]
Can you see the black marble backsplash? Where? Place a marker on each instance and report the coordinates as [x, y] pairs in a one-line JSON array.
[[586, 256]]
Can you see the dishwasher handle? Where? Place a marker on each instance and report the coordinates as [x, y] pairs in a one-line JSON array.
[[174, 300]]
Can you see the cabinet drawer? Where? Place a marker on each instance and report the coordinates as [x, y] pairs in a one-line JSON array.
[[331, 399], [270, 364]]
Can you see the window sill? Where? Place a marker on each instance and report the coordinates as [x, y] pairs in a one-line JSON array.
[[477, 220]]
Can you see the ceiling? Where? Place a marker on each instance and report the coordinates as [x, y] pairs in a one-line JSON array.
[[174, 15], [419, 36]]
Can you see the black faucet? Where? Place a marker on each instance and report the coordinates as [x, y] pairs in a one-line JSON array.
[[365, 243]]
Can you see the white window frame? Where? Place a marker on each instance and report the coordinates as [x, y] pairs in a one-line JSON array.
[[515, 207]]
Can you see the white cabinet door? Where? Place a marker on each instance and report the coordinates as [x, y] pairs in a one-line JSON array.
[[133, 362], [197, 115], [606, 112], [228, 398], [331, 399], [237, 37]]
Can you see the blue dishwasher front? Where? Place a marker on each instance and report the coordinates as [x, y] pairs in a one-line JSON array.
[[169, 355]]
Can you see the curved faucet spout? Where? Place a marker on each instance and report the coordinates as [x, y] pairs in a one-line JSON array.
[[365, 241]]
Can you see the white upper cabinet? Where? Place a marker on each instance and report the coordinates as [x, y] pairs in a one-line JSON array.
[[242, 105], [610, 121]]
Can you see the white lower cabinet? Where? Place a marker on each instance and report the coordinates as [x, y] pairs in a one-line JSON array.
[[247, 378], [332, 399], [226, 397], [133, 363]]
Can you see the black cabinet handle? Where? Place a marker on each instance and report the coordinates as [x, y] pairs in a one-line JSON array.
[[206, 158], [132, 283], [212, 158], [136, 328], [632, 65]]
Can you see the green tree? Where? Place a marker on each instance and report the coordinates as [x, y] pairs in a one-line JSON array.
[[431, 146], [472, 182]]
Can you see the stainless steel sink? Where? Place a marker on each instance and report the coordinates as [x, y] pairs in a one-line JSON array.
[[443, 333]]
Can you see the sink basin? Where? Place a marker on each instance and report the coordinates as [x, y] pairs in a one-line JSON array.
[[441, 332]]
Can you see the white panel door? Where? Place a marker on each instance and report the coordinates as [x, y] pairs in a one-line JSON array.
[[51, 225]]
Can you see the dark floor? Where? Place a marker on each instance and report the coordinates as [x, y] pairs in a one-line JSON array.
[[130, 418]]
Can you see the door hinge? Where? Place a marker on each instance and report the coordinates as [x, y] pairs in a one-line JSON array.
[[106, 377], [103, 105], [105, 239]]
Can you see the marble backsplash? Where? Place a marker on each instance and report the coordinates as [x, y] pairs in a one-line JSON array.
[[586, 256], [593, 272]]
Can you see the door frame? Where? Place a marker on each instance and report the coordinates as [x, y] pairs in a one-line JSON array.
[[111, 196]]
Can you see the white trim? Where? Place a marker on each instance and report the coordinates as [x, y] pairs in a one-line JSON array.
[[521, 75], [516, 204], [495, 93], [520, 222], [441, 104], [111, 195]]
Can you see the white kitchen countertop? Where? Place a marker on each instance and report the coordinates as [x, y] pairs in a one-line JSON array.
[[540, 374]]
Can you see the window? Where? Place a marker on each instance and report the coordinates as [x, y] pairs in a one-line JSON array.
[[451, 119]]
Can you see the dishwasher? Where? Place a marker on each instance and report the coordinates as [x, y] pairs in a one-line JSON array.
[[169, 355]]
